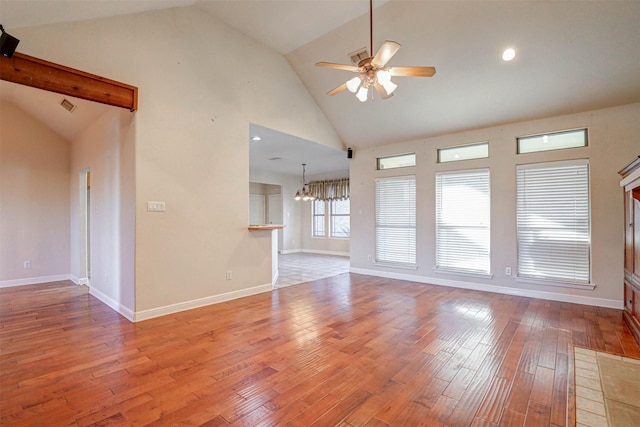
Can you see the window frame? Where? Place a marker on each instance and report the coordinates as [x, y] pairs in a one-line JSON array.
[[520, 139], [314, 223], [450, 252], [332, 215], [385, 228], [553, 253], [439, 152], [379, 161]]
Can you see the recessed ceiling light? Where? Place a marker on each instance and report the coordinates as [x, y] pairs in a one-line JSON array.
[[508, 54], [256, 138]]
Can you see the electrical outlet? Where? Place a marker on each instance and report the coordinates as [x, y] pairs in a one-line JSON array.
[[507, 271], [229, 275], [27, 264]]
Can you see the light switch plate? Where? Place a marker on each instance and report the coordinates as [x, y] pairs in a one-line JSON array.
[[156, 206]]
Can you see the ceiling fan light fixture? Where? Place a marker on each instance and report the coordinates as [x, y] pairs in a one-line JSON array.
[[354, 84], [383, 76], [363, 93], [389, 87]]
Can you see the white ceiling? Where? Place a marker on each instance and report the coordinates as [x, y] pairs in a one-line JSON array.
[[572, 56], [285, 154], [45, 107]]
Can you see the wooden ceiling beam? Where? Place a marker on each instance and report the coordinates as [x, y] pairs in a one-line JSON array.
[[30, 71]]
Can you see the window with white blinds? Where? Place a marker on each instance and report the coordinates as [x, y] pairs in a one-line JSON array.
[[463, 216], [553, 222], [396, 220]]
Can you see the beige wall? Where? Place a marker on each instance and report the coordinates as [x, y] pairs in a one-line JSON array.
[[614, 140], [106, 149], [201, 84], [34, 200]]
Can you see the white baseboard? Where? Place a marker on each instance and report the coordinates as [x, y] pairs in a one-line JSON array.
[[201, 302], [34, 280], [290, 251], [553, 296], [115, 305], [321, 252], [78, 281]]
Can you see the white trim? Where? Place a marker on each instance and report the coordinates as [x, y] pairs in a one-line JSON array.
[[201, 302], [400, 265], [630, 178], [322, 252], [290, 251], [553, 296], [35, 280], [469, 273], [78, 281], [558, 284], [113, 304], [275, 279]]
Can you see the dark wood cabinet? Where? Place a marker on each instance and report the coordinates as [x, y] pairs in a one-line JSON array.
[[631, 184]]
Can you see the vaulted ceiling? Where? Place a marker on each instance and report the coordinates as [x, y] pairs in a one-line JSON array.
[[571, 56]]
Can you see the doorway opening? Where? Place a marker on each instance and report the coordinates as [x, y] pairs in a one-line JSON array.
[[85, 227]]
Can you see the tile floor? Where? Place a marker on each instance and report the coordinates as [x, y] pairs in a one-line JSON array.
[[607, 389], [303, 267]]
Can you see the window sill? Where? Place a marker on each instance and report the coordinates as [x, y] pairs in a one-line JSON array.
[[463, 273], [583, 286]]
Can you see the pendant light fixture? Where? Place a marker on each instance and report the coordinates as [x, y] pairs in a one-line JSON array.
[[303, 193]]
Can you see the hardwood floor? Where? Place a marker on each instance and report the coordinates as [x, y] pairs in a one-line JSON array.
[[350, 350]]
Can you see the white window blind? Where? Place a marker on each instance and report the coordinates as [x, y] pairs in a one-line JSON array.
[[553, 222], [463, 216], [318, 218], [396, 220]]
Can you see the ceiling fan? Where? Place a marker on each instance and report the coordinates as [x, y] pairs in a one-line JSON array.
[[373, 71]]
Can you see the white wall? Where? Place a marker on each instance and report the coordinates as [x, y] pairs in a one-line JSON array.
[[34, 200], [614, 140], [106, 148], [201, 84]]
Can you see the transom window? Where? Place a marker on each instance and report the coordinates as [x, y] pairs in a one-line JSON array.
[[399, 161], [463, 152], [552, 141]]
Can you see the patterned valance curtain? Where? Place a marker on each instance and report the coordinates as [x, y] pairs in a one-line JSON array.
[[337, 189]]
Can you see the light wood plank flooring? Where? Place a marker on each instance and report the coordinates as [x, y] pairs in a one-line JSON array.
[[350, 350]]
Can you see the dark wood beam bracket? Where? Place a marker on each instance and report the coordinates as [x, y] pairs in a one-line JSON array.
[[30, 71]]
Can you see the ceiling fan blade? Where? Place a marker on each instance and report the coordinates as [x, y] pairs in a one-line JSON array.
[[339, 89], [381, 91], [412, 71], [337, 66], [385, 53]]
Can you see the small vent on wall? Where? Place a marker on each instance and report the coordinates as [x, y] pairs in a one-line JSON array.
[[359, 55], [67, 105]]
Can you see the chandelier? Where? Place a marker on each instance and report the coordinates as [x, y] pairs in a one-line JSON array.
[[304, 193]]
